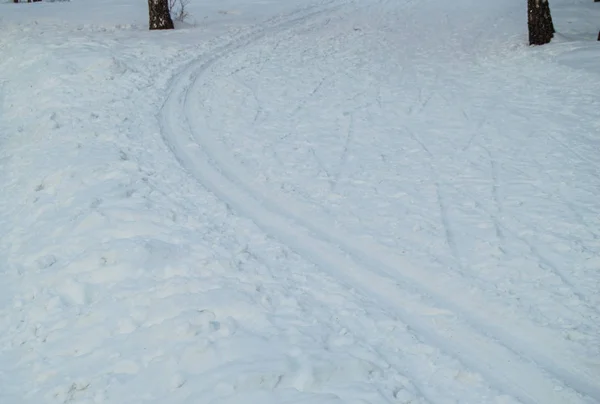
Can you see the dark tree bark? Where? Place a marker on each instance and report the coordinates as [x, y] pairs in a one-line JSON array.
[[596, 1], [539, 22], [160, 17]]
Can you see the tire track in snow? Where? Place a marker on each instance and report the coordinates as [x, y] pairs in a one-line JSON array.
[[512, 361]]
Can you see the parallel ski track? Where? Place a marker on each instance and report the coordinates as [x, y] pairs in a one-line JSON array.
[[503, 355]]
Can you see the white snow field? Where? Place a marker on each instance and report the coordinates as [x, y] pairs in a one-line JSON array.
[[299, 201]]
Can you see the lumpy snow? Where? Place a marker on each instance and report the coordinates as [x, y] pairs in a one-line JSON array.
[[301, 201]]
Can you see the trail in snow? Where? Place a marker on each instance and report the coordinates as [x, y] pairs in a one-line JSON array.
[[389, 202], [126, 282], [475, 331]]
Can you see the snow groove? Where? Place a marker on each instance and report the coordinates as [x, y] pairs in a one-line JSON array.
[[466, 332]]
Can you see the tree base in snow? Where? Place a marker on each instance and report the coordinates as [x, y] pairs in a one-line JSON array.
[[160, 16], [539, 22], [595, 1]]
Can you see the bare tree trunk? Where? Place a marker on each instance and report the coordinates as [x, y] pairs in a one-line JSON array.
[[539, 22], [595, 1], [160, 17]]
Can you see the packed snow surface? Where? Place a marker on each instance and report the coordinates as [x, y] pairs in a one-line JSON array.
[[300, 201]]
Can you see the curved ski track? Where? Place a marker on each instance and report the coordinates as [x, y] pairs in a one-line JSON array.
[[445, 317]]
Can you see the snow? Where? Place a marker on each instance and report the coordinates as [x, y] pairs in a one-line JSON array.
[[325, 201]]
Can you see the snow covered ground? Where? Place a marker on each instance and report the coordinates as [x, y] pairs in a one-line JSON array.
[[324, 201]]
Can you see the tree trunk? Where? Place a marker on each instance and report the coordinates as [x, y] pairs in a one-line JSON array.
[[539, 22], [160, 17], [598, 32]]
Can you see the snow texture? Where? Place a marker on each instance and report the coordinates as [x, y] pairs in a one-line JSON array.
[[300, 201]]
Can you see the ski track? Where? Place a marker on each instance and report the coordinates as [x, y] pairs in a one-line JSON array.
[[465, 331]]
